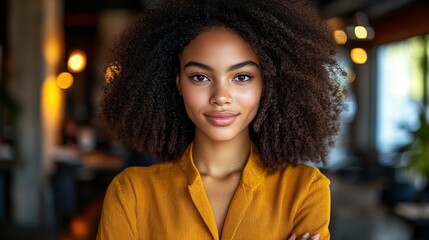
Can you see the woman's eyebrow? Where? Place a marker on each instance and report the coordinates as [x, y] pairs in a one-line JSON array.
[[242, 64], [231, 68], [197, 64]]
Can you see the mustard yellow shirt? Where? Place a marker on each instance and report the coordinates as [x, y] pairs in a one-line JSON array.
[[168, 201]]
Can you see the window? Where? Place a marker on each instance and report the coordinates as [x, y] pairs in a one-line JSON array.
[[400, 90]]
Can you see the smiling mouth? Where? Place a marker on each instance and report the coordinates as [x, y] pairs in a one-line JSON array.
[[221, 119]]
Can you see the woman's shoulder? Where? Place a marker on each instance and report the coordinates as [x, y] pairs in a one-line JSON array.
[[145, 174], [304, 169], [138, 186], [304, 173]]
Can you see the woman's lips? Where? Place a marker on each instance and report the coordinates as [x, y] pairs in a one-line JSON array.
[[221, 118]]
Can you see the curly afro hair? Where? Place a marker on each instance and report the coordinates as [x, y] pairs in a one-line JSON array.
[[298, 114]]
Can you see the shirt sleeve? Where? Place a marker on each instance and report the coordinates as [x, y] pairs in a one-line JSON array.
[[118, 218], [315, 210]]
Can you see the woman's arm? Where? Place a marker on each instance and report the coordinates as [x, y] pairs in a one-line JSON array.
[[118, 218], [315, 210]]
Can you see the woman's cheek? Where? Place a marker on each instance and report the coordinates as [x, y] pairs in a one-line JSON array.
[[251, 98], [193, 101]]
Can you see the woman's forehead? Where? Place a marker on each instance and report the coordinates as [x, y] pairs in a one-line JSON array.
[[218, 46]]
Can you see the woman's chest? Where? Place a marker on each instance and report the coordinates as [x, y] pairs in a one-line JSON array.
[[189, 214]]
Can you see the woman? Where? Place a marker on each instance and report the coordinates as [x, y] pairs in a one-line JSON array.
[[232, 96]]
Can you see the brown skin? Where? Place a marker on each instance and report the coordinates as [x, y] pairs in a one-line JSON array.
[[210, 81], [221, 144]]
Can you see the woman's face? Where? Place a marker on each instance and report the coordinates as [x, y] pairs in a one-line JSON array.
[[221, 83]]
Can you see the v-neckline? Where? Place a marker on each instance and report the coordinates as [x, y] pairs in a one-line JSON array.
[[251, 177]]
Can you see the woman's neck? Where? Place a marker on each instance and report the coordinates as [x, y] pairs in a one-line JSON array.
[[220, 159]]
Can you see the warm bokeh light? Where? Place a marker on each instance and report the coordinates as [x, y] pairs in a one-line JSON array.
[[52, 100], [360, 32], [358, 55], [52, 50], [335, 23], [79, 228], [340, 37], [77, 61], [65, 80]]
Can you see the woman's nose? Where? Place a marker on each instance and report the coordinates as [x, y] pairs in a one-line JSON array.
[[220, 95]]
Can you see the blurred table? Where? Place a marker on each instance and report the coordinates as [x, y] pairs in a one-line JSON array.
[[101, 160], [417, 215], [80, 178]]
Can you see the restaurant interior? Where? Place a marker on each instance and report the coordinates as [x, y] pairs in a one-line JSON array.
[[56, 159]]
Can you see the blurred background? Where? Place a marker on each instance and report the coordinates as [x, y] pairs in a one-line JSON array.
[[56, 161]]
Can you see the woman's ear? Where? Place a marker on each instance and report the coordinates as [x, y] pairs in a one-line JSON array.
[[178, 83]]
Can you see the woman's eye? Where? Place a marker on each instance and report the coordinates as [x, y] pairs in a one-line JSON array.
[[242, 78], [199, 78]]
